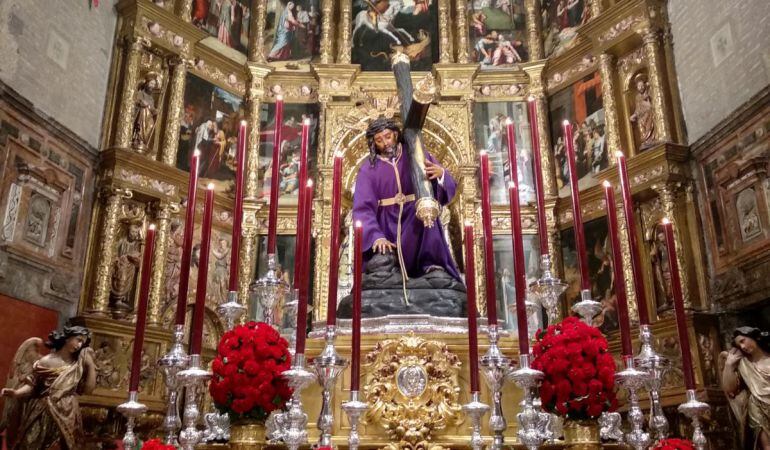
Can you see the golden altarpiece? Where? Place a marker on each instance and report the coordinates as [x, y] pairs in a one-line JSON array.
[[619, 52]]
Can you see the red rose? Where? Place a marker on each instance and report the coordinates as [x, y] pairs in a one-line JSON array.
[[594, 410]]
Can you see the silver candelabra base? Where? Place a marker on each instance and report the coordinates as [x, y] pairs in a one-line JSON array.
[[633, 379], [328, 366], [496, 367], [354, 408], [269, 292], [587, 308], [475, 409], [231, 311], [694, 409], [548, 289], [656, 366], [534, 424], [192, 379], [170, 365], [294, 433], [131, 410]]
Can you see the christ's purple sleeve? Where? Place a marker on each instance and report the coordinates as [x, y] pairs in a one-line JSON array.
[[446, 191], [365, 205]]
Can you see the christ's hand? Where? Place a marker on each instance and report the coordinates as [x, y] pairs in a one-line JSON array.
[[433, 170], [383, 246]]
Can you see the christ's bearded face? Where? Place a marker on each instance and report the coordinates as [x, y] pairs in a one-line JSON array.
[[386, 141]]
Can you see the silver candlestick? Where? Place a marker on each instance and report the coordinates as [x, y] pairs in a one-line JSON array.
[[587, 308], [295, 419], [170, 365], [354, 408], [496, 368], [191, 379], [231, 311], [656, 366], [131, 410], [328, 366], [476, 410], [634, 379], [532, 430], [269, 291], [694, 409], [549, 289]]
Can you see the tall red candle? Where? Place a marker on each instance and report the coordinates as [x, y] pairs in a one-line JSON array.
[[187, 239], [470, 287], [272, 219], [141, 310], [636, 261], [489, 255], [303, 170], [302, 266], [519, 280], [617, 267], [681, 322], [240, 177], [577, 215], [355, 359], [334, 254], [196, 332], [542, 226]]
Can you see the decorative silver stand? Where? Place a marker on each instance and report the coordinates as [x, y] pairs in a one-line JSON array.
[[610, 426], [532, 306], [270, 291], [231, 311], [634, 379], [294, 433], [549, 289], [496, 368], [587, 308], [656, 366], [533, 423], [328, 366], [131, 410], [694, 409], [191, 379], [354, 408], [170, 365], [476, 410]]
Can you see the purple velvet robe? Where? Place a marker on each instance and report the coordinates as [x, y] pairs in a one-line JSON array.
[[422, 247]]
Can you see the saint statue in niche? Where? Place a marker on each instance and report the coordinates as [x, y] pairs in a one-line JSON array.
[[661, 270], [125, 267], [146, 113], [642, 115]]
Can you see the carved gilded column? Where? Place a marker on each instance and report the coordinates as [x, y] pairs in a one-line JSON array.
[[534, 30], [175, 105], [596, 7], [246, 269], [343, 31], [184, 9], [130, 83], [611, 121], [625, 250], [668, 200], [327, 10], [461, 6], [660, 107], [163, 212], [113, 198], [257, 33], [537, 90], [444, 32]]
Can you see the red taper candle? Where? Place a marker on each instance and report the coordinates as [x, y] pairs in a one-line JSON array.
[[240, 177], [633, 243], [542, 226], [355, 358], [272, 219], [196, 332], [519, 280], [299, 257], [681, 321], [470, 287], [334, 254], [302, 266], [617, 267], [577, 215], [141, 310], [187, 239], [489, 255]]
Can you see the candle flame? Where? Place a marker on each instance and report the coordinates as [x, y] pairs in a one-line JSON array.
[[565, 123], [338, 154], [279, 97], [152, 227], [665, 221], [197, 153], [243, 123], [210, 186], [306, 121], [468, 223], [309, 182], [606, 184], [531, 98], [619, 154], [508, 121], [482, 153], [511, 185], [359, 224]]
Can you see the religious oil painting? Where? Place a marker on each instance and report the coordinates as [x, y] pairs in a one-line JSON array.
[[498, 33], [227, 20], [381, 27], [291, 144], [504, 281], [599, 268], [561, 19], [491, 135], [210, 125], [581, 104], [292, 32]]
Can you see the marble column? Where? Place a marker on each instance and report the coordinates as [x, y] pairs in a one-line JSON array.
[[660, 107], [343, 33], [175, 105], [113, 199], [444, 32], [461, 7], [327, 44], [126, 112], [163, 212], [611, 121], [534, 30], [257, 32], [183, 9]]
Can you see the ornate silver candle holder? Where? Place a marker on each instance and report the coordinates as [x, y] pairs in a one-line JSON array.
[[131, 410], [549, 289], [634, 379], [587, 308], [476, 410], [269, 292], [170, 365], [694, 409], [192, 379], [496, 368], [610, 426], [354, 408], [656, 366], [231, 311], [294, 431], [217, 427], [533, 424], [328, 366]]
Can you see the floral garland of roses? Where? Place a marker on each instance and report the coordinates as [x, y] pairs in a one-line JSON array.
[[674, 444], [157, 444], [579, 370], [247, 381]]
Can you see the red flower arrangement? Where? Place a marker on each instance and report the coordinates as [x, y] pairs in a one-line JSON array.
[[247, 380], [156, 444], [579, 370], [674, 444]]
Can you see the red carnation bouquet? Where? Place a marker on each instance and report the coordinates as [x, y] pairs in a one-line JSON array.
[[247, 382], [579, 370], [157, 444], [674, 444]]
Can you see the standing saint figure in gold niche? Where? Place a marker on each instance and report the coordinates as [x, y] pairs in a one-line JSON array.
[[146, 112], [125, 267], [642, 115]]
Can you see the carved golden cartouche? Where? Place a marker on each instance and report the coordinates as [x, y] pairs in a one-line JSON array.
[[581, 435], [247, 436]]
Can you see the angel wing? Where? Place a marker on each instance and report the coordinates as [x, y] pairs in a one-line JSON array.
[[21, 368]]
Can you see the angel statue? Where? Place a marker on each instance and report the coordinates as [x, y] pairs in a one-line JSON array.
[[746, 381], [41, 405]]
